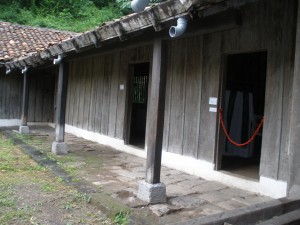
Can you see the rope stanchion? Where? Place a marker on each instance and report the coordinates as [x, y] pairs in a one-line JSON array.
[[232, 141]]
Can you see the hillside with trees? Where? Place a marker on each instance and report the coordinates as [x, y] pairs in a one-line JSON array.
[[72, 15]]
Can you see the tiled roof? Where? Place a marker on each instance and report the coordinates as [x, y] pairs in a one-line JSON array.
[[157, 17], [18, 41]]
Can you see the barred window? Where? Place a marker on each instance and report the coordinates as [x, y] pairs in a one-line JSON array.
[[140, 88]]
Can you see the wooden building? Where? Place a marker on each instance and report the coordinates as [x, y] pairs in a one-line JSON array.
[[19, 41], [131, 86]]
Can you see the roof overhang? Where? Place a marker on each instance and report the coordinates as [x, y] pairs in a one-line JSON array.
[[155, 17]]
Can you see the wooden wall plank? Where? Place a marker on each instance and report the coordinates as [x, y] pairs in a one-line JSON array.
[[32, 94], [249, 40], [93, 91], [114, 89], [8, 91], [288, 39], [72, 88], [39, 98], [69, 94], [87, 93], [106, 94], [231, 41], [177, 100], [76, 89], [210, 87], [98, 64], [81, 97], [168, 96], [45, 100], [192, 96], [273, 112], [123, 80]]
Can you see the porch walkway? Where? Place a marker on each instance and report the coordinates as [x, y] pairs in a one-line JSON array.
[[117, 174]]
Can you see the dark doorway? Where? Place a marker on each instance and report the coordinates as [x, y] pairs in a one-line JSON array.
[[243, 108], [138, 100]]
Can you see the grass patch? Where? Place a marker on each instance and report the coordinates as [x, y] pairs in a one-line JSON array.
[[20, 215], [48, 188], [8, 206], [81, 197], [6, 196], [28, 139], [121, 218], [29, 193], [76, 198]]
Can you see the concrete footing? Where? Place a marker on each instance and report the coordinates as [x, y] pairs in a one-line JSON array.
[[24, 130], [152, 193], [59, 148]]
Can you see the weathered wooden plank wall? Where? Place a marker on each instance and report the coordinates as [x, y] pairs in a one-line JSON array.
[[281, 15], [41, 95], [10, 95], [194, 75], [95, 101], [182, 106]]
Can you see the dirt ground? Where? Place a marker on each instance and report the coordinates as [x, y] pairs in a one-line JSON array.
[[30, 194]]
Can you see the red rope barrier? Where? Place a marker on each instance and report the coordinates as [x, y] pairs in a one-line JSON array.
[[232, 141]]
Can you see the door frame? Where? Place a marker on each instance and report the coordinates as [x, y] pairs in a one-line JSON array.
[[128, 99], [222, 89], [219, 133], [128, 105]]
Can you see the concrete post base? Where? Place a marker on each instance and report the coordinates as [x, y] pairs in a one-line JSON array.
[[152, 193], [24, 130], [59, 148]]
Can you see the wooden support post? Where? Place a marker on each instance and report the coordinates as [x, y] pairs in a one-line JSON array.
[[24, 129], [151, 190], [155, 114], [25, 98], [61, 101], [59, 147]]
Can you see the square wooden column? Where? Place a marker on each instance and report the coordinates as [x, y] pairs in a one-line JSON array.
[[151, 190], [24, 129], [59, 146]]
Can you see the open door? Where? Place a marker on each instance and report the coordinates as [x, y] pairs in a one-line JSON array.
[[243, 101], [137, 108]]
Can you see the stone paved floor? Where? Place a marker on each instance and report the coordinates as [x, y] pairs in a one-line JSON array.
[[118, 174]]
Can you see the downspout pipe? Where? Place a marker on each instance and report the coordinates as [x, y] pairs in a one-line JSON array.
[[58, 60], [8, 70], [139, 5], [176, 31], [24, 70]]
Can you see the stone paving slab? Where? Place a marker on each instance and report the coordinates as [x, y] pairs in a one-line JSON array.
[[118, 174]]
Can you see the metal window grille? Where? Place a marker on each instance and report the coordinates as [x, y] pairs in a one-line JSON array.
[[140, 88]]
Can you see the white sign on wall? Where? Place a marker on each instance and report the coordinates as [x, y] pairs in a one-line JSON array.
[[213, 101]]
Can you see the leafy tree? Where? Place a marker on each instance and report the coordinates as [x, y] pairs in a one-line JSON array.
[[73, 15]]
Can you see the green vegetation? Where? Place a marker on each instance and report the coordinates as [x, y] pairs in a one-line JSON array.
[[29, 194], [72, 15], [121, 218]]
